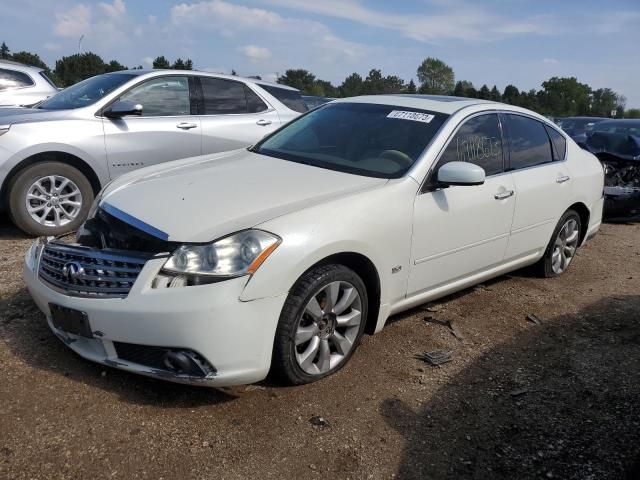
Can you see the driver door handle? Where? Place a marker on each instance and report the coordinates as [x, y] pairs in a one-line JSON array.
[[503, 195], [263, 123], [563, 178], [186, 125]]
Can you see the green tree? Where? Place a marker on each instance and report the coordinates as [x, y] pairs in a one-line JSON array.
[[323, 88], [511, 95], [74, 68], [411, 87], [564, 97], [435, 76], [495, 94], [484, 92], [298, 78], [161, 62], [393, 84], [374, 83], [632, 113], [4, 51], [464, 88], [188, 64], [114, 66], [604, 101], [29, 58], [233, 72], [352, 86]]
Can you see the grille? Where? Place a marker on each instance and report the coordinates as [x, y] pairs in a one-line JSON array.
[[86, 272]]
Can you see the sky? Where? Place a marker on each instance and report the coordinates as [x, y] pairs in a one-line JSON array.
[[520, 42]]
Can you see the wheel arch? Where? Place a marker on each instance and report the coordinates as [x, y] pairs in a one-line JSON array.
[[368, 272], [584, 213], [51, 156]]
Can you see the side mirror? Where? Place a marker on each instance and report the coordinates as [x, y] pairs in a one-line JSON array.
[[122, 108], [460, 173]]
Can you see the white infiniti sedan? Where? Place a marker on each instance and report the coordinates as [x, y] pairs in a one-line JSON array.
[[217, 270]]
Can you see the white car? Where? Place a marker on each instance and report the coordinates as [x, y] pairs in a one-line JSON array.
[[216, 270], [22, 85]]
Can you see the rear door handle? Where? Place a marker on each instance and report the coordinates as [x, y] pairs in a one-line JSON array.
[[263, 123], [186, 125], [563, 178], [503, 195]]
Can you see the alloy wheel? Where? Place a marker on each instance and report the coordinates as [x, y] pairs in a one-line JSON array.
[[53, 201], [565, 246], [328, 328]]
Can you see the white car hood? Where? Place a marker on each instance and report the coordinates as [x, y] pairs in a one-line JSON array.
[[205, 198]]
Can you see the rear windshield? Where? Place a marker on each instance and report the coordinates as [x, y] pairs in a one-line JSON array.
[[291, 98], [366, 139]]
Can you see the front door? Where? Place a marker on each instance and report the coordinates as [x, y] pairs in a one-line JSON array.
[[165, 131], [461, 230]]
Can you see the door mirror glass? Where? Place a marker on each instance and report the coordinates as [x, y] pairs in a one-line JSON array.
[[460, 173], [122, 108]]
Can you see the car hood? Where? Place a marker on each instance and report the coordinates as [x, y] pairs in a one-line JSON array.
[[205, 198], [13, 115]]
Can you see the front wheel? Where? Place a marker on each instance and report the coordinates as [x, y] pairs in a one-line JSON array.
[[49, 198], [562, 246], [321, 324]]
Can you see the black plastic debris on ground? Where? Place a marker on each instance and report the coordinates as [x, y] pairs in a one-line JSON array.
[[446, 323], [533, 319], [319, 422], [436, 357]]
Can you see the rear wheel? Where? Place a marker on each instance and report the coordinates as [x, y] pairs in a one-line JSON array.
[[562, 246], [49, 198], [321, 324]]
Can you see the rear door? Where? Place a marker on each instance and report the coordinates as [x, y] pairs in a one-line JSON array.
[[232, 115], [165, 131], [461, 230], [542, 181]]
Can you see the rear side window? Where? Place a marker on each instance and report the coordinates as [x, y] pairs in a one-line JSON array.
[[529, 142], [254, 102], [223, 96], [477, 141], [559, 143], [13, 79], [291, 98]]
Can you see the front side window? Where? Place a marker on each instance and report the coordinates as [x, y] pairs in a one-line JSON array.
[[529, 142], [365, 139], [477, 141], [161, 97], [13, 79], [559, 143], [86, 92]]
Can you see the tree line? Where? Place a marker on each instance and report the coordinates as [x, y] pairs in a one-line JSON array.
[[558, 97]]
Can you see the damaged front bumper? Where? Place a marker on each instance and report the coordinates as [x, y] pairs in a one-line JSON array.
[[219, 339]]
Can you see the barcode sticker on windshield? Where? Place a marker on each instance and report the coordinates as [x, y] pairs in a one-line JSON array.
[[415, 116]]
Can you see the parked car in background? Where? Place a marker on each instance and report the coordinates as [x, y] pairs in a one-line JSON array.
[[578, 127], [217, 270], [22, 85], [312, 102], [617, 144], [55, 158]]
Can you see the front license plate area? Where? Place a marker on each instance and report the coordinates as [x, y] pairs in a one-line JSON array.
[[70, 320]]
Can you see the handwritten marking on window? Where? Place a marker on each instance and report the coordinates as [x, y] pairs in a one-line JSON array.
[[474, 148]]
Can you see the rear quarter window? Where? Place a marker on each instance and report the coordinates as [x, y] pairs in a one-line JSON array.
[[559, 143], [291, 98], [13, 79]]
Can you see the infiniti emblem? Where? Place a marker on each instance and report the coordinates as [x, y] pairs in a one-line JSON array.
[[72, 271]]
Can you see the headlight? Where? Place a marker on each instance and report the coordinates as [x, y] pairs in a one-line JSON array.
[[238, 254], [96, 202]]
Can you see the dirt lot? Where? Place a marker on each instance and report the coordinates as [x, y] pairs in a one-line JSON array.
[[519, 400]]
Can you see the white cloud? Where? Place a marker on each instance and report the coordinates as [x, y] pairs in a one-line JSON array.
[[452, 20], [550, 61], [255, 53], [114, 10], [74, 22]]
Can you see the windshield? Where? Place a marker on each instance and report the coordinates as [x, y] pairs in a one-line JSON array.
[[361, 138], [86, 92]]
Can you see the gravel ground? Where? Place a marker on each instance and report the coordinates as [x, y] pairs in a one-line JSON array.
[[519, 400]]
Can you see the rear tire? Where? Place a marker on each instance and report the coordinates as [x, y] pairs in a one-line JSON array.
[[49, 198], [320, 326], [562, 247]]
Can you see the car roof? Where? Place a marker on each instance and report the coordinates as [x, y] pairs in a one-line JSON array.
[[435, 103], [19, 66], [621, 121], [582, 118], [156, 72]]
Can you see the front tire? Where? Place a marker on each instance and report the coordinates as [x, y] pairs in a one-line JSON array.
[[562, 247], [320, 326], [49, 198]]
